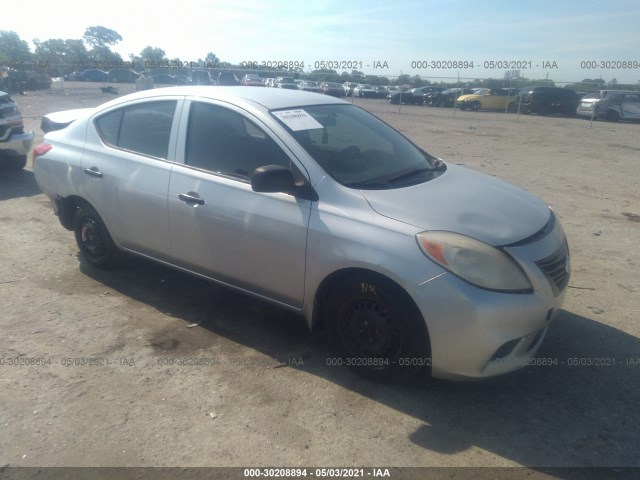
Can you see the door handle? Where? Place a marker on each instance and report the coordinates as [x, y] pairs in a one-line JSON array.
[[93, 172], [191, 197]]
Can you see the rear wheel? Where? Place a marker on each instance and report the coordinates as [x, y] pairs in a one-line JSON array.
[[93, 239], [376, 329]]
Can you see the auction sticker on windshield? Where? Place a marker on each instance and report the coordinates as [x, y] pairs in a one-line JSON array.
[[297, 119]]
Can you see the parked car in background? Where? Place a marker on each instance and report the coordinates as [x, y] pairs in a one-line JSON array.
[[489, 99], [347, 88], [331, 88], [143, 82], [548, 100], [182, 79], [288, 83], [122, 75], [447, 98], [200, 77], [228, 79], [164, 79], [94, 75], [15, 143], [364, 90], [318, 206], [590, 101], [310, 86], [381, 91], [252, 80], [619, 106], [74, 77], [415, 96]]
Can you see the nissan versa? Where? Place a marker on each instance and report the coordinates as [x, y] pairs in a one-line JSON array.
[[314, 204]]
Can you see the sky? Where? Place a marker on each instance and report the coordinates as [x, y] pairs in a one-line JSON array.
[[564, 40]]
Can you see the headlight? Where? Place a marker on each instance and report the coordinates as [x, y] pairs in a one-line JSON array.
[[474, 261]]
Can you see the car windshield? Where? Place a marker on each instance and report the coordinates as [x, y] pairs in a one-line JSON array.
[[356, 148]]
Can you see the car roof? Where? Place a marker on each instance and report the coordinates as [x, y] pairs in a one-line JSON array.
[[269, 98]]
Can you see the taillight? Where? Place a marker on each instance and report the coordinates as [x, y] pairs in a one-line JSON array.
[[39, 150]]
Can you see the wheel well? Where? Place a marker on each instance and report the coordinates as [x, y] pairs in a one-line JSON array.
[[330, 282], [67, 210]]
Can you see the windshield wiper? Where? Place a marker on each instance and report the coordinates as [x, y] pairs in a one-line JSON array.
[[438, 166]]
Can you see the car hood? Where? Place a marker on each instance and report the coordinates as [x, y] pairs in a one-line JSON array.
[[466, 202]]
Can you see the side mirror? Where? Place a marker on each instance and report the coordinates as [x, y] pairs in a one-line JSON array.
[[275, 179], [272, 179]]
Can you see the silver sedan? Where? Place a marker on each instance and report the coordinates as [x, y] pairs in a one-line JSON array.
[[314, 204]]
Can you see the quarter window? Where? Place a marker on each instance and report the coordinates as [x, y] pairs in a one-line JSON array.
[[223, 141], [143, 128]]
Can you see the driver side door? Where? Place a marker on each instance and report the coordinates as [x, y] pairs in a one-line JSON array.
[[219, 226]]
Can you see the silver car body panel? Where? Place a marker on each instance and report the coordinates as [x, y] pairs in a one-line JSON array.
[[466, 202], [282, 248]]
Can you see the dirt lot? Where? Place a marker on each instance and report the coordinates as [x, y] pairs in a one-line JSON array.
[[271, 399]]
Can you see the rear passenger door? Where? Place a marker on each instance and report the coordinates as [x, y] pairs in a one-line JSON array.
[[126, 164], [219, 226]]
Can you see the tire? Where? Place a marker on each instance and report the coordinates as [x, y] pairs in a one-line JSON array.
[[376, 330], [612, 116], [93, 238], [14, 162], [475, 106], [512, 107]]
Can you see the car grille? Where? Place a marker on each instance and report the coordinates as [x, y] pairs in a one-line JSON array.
[[556, 268]]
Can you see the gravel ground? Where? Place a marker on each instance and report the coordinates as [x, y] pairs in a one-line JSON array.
[[271, 399]]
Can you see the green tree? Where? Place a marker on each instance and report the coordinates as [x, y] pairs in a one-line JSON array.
[[212, 59], [61, 56], [13, 49], [151, 58], [99, 37]]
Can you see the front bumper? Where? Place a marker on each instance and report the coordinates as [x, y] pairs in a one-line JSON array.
[[477, 333], [17, 143]]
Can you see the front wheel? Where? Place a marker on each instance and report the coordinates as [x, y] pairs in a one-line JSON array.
[[376, 329], [612, 116], [14, 162], [93, 239]]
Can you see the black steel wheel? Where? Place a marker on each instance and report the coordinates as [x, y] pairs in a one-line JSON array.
[[376, 329], [93, 239]]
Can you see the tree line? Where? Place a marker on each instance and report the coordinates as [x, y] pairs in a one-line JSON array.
[[58, 57]]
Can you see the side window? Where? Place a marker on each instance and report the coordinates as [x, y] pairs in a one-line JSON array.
[[144, 128], [223, 141]]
